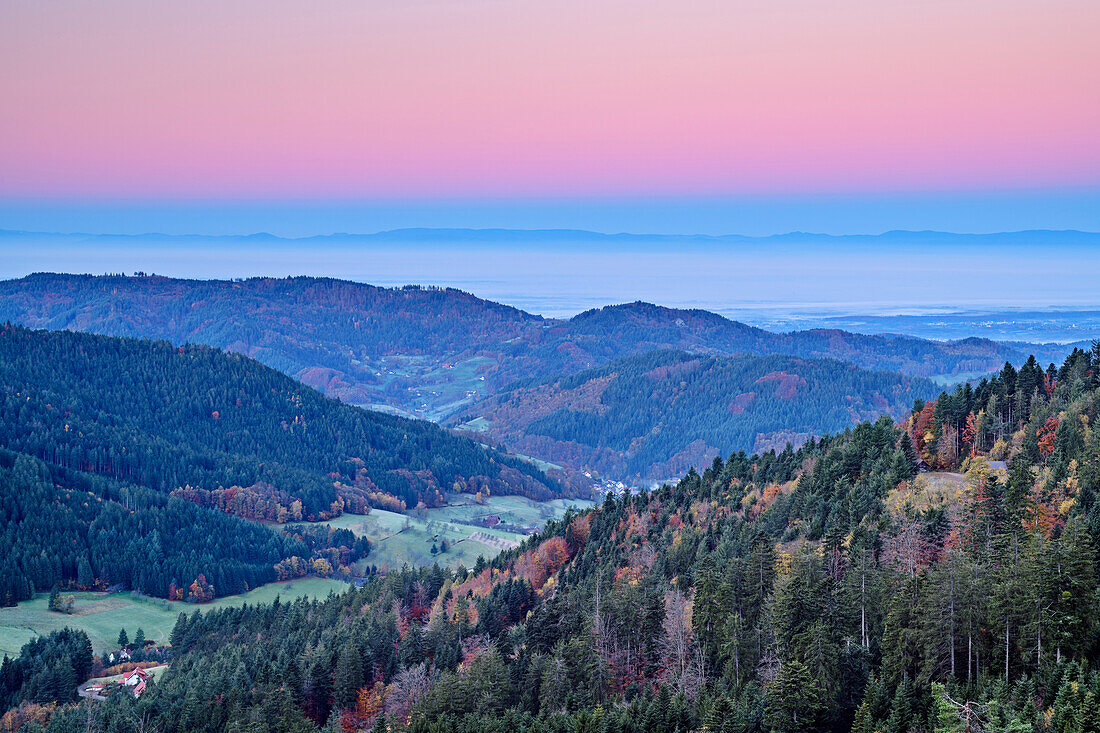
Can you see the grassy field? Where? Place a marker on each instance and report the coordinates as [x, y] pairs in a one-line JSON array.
[[948, 380], [511, 509], [428, 389], [539, 463], [478, 424], [398, 538], [101, 615]]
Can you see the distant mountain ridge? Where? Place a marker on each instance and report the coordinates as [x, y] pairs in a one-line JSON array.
[[350, 334], [559, 236], [303, 323]]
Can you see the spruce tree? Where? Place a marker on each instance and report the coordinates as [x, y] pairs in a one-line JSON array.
[[66, 681], [84, 576], [794, 700], [179, 632], [348, 678], [905, 462], [864, 722], [317, 692], [901, 709], [1088, 715]]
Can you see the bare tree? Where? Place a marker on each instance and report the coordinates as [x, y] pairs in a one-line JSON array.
[[680, 647], [405, 690]]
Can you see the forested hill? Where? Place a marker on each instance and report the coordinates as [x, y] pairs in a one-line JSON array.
[[223, 430], [356, 342], [429, 351], [638, 327], [657, 414], [69, 529], [832, 588]]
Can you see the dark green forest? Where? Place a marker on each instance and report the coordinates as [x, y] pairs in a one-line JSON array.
[[47, 669], [200, 422], [831, 588], [71, 529]]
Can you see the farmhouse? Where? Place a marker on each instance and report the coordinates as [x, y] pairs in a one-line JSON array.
[[135, 680]]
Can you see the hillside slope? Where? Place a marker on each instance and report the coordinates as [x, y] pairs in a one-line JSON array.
[[222, 429], [358, 343], [809, 591], [70, 529], [657, 414], [615, 330]]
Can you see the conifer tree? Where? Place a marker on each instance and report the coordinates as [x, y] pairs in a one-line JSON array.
[[380, 724], [794, 701], [863, 722], [84, 575], [348, 678], [317, 692], [179, 632]]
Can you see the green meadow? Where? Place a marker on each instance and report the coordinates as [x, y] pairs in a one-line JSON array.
[[154, 672], [101, 615], [398, 539]]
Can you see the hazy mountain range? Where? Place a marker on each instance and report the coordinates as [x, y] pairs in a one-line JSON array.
[[782, 282], [498, 236], [432, 353]]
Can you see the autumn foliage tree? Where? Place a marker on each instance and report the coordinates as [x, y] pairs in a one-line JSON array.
[[1047, 434], [201, 591]]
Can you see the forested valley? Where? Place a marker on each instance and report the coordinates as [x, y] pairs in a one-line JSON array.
[[64, 528], [451, 357], [655, 415], [839, 587]]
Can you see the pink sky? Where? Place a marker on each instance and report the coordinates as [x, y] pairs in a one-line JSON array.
[[451, 98]]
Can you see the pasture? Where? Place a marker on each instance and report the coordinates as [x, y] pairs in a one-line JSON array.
[[398, 539], [102, 615]]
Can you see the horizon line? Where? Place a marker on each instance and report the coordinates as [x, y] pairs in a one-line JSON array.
[[548, 230]]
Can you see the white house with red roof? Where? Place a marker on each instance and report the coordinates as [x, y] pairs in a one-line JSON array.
[[135, 679]]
